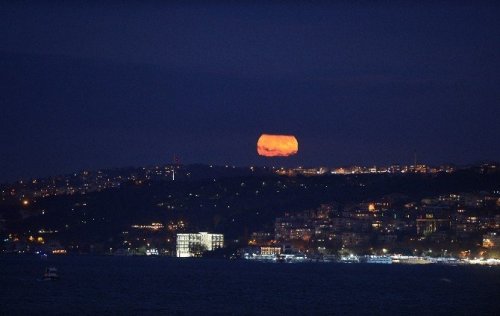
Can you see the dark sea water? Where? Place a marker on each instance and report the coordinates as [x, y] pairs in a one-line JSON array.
[[168, 286]]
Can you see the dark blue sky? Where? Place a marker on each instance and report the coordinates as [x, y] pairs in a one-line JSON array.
[[94, 86]]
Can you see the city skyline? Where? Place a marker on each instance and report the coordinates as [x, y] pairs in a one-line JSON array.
[[249, 157], [401, 214], [283, 169]]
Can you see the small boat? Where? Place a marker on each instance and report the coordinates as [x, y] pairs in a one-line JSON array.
[[50, 274]]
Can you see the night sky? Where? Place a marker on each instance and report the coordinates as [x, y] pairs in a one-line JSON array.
[[88, 86]]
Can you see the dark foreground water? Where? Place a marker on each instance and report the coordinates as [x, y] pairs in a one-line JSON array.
[[144, 285]]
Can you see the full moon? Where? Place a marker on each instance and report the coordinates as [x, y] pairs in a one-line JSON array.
[[277, 145]]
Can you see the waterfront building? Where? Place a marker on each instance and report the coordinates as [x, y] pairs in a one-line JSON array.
[[270, 251], [491, 240], [194, 244]]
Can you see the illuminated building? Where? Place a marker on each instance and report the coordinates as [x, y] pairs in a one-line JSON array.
[[260, 238], [429, 225], [301, 233], [193, 245], [268, 251], [491, 240]]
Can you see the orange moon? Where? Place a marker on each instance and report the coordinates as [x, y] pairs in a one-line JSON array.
[[277, 145]]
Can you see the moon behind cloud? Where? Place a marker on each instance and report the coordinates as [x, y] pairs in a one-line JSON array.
[[270, 145]]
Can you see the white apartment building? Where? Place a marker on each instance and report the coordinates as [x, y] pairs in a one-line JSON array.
[[190, 245]]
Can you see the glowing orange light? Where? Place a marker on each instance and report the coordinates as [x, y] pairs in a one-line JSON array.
[[371, 207], [277, 145]]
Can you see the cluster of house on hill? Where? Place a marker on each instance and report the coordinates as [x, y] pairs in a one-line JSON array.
[[458, 224]]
